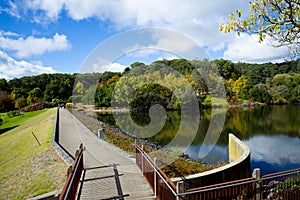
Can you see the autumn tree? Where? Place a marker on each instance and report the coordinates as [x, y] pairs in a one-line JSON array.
[[79, 88], [241, 88], [278, 19]]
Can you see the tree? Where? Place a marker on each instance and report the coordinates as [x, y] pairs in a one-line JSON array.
[[278, 19], [34, 95], [52, 90], [4, 85], [148, 95], [240, 87], [79, 88]]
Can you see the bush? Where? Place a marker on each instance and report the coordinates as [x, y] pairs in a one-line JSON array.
[[34, 107], [69, 105], [55, 102], [207, 101], [280, 101], [11, 114]]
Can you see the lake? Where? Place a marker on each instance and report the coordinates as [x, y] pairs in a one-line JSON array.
[[271, 132]]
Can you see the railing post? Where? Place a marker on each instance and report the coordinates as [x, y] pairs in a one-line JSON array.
[[69, 170], [76, 153], [256, 175], [155, 178], [179, 189], [142, 154]]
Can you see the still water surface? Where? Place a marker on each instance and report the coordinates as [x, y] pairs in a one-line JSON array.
[[271, 132]]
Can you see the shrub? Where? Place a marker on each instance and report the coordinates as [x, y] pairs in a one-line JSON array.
[[34, 107], [69, 105], [207, 101], [11, 114], [55, 102]]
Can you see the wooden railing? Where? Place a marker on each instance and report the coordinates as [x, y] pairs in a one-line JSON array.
[[70, 188], [282, 185], [240, 189], [160, 184]]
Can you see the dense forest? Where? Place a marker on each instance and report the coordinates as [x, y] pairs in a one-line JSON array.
[[169, 83]]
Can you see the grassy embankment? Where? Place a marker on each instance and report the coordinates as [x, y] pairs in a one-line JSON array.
[[27, 169], [180, 167]]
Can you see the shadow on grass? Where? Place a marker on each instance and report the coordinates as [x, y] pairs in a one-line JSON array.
[[7, 129]]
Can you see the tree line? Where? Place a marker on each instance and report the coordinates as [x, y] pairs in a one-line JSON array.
[[170, 83]]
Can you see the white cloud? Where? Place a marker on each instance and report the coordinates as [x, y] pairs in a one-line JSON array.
[[10, 68], [8, 33], [113, 67], [32, 46], [102, 65], [13, 9], [199, 20], [246, 48], [51, 8]]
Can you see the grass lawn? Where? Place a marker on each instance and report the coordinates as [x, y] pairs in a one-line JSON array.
[[27, 169], [10, 123]]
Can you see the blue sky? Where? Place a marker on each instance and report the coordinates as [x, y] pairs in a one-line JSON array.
[[47, 36]]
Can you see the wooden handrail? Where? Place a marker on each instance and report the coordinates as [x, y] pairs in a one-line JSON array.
[[69, 190]]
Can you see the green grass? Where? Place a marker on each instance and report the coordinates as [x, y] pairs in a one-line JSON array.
[[9, 123], [219, 101], [27, 169]]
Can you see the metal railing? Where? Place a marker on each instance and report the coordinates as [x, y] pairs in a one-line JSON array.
[[239, 189], [70, 188], [161, 185], [281, 185]]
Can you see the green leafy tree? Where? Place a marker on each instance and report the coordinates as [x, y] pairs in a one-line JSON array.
[[149, 95], [20, 103], [279, 19], [260, 93], [4, 85], [19, 93], [226, 69], [52, 90], [34, 95]]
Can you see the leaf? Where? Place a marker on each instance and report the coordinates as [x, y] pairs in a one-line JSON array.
[[222, 27], [231, 16], [251, 19], [244, 24], [239, 13]]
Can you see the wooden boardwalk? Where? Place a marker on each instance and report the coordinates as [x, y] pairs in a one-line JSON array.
[[110, 173]]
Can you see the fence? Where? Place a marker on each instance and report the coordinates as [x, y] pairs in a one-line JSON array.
[[240, 189], [70, 188], [282, 185], [161, 185]]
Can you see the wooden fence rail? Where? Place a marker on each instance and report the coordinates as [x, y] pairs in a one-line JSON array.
[[282, 185], [161, 185], [70, 188], [240, 189]]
